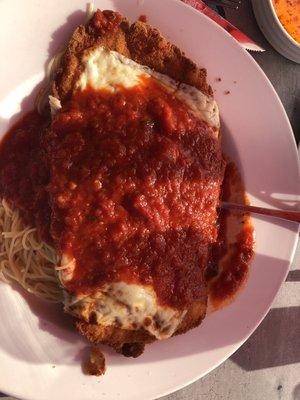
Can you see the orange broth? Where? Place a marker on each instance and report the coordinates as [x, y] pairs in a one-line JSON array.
[[288, 12]]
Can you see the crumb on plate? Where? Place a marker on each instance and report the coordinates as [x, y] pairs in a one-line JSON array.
[[95, 364]]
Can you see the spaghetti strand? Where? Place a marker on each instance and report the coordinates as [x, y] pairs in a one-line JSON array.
[[25, 259]]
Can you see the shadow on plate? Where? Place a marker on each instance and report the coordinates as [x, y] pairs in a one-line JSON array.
[[296, 393], [275, 193], [58, 38], [61, 35], [38, 332], [62, 345], [26, 105], [207, 336]]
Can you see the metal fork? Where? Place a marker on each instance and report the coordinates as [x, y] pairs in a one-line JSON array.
[[234, 4]]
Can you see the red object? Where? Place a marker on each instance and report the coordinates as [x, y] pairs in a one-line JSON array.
[[134, 188], [23, 172], [243, 39], [226, 281], [106, 21], [128, 184]]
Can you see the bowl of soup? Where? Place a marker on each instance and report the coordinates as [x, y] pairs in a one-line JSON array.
[[279, 20]]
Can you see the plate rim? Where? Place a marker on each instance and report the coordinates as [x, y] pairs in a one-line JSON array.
[[295, 241]]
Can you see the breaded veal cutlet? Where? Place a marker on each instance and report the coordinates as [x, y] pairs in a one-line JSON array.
[[145, 45]]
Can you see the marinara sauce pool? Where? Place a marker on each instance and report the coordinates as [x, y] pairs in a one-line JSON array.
[[129, 184]]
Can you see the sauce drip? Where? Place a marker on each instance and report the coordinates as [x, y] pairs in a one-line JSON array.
[[228, 267]]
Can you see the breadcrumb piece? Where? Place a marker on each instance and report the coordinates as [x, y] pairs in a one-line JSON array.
[[95, 365]]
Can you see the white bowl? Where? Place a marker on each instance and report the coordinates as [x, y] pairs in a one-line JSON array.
[[274, 31]]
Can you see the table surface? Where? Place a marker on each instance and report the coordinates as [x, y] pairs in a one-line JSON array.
[[267, 366]]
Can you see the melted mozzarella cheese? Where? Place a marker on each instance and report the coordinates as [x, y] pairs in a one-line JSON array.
[[108, 70], [103, 69], [127, 306]]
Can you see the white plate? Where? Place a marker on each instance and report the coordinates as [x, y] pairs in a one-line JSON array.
[[33, 336]]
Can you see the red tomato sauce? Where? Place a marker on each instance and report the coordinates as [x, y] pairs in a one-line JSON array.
[[23, 172], [106, 21], [228, 267], [143, 18], [135, 183], [128, 184]]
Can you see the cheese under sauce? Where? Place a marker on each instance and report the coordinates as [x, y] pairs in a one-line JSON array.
[[128, 306], [109, 70]]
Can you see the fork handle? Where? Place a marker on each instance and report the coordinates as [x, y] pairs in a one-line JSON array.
[[287, 215]]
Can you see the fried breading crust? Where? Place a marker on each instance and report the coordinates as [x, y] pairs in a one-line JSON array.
[[138, 41], [132, 343], [145, 45]]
